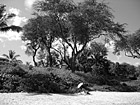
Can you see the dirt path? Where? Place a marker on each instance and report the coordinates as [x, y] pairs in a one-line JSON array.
[[96, 98]]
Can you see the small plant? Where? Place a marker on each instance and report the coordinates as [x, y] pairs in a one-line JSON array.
[[30, 67]]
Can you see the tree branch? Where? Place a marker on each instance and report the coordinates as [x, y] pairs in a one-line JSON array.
[[137, 53], [58, 52], [78, 52], [61, 29], [98, 36], [132, 55]]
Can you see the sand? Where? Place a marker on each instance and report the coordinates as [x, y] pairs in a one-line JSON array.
[[96, 98]]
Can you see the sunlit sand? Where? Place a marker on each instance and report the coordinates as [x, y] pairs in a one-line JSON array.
[[96, 98]]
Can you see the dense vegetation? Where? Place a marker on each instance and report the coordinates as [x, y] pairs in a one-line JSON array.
[[61, 38], [24, 78], [73, 26]]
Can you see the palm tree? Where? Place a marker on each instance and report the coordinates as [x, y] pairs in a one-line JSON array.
[[4, 17], [12, 57]]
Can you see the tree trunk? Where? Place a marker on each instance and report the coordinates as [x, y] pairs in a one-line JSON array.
[[73, 67], [35, 63], [34, 55], [50, 57], [73, 62]]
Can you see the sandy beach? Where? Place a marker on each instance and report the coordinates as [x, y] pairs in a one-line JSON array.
[[96, 98]]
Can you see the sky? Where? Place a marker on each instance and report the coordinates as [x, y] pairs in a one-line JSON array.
[[124, 11]]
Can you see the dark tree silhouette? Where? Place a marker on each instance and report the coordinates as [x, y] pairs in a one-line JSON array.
[[78, 24]]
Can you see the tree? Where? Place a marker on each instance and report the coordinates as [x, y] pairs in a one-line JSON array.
[[39, 36], [130, 45], [32, 49], [78, 24], [131, 71], [12, 57], [98, 52], [123, 70], [4, 17], [94, 55], [44, 61]]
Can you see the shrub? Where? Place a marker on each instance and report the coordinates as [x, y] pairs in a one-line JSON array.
[[113, 82], [15, 79], [101, 80], [30, 67], [18, 71], [41, 83], [34, 83], [10, 77], [126, 88], [11, 83]]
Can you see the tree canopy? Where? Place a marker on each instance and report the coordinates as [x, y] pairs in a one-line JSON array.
[[130, 45], [75, 24]]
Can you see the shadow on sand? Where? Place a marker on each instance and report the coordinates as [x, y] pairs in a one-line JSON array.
[[33, 94], [50, 94]]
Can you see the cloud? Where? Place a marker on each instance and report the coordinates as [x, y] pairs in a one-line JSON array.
[[1, 40], [23, 47], [29, 3], [10, 35], [4, 45], [14, 10], [17, 20]]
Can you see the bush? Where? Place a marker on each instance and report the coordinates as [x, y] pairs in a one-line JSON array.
[[30, 67], [16, 79], [17, 70], [10, 77], [35, 83], [126, 88], [10, 83], [101, 80], [113, 82], [41, 83]]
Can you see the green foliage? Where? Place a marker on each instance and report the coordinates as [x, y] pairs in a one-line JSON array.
[[46, 83], [98, 70], [10, 77], [35, 83], [130, 45], [98, 50], [43, 59], [12, 58], [13, 70], [124, 70], [16, 79], [52, 80], [74, 24], [18, 71], [11, 83], [94, 59], [40, 36]]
